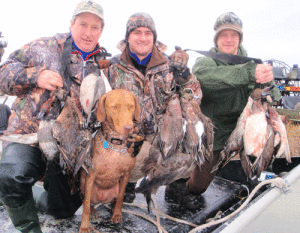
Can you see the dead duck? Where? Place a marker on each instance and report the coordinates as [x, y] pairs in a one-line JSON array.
[[281, 140], [63, 136], [171, 127], [258, 138], [193, 144], [91, 89], [161, 172], [72, 131], [198, 138], [72, 140]]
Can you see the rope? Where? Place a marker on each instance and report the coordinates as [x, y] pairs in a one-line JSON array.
[[163, 214], [278, 182]]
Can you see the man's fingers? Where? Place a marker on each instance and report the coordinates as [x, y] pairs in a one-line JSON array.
[[50, 87], [49, 80], [264, 73], [56, 81]]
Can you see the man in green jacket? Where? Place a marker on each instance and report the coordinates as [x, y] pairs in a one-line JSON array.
[[226, 88]]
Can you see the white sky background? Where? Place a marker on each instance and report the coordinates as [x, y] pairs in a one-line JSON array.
[[271, 28]]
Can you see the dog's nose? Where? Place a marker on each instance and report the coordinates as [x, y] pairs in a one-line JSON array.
[[128, 127]]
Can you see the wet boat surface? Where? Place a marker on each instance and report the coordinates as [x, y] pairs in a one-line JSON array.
[[221, 195], [226, 193]]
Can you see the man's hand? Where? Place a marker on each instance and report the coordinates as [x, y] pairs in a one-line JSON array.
[[49, 80], [179, 60], [263, 73]]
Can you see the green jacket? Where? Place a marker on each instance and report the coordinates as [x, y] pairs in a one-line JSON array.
[[226, 88]]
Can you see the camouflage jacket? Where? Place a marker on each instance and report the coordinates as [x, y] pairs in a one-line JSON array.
[[152, 90], [18, 77]]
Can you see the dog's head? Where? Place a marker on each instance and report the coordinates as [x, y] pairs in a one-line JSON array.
[[120, 107]]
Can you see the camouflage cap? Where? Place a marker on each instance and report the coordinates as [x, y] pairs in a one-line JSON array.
[[89, 7], [140, 20], [228, 20]]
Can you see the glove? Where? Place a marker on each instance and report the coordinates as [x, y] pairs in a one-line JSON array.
[[178, 63]]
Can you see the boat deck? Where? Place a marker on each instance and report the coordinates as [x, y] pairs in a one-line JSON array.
[[226, 193], [282, 215], [272, 211], [221, 195]]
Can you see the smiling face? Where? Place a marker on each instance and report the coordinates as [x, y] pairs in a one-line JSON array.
[[140, 42], [228, 41], [86, 31]]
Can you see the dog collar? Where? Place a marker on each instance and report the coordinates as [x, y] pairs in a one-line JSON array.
[[117, 141], [110, 143]]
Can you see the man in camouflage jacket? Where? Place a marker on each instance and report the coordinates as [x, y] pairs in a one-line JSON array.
[[31, 73], [145, 70]]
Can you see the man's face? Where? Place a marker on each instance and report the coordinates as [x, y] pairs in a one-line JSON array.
[[228, 41], [86, 31], [140, 42]]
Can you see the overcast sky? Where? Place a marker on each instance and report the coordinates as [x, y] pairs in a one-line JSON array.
[[271, 28]]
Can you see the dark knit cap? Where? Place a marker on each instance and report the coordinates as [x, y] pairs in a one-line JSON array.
[[140, 20]]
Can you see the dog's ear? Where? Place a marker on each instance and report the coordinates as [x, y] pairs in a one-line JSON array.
[[101, 115], [137, 111]]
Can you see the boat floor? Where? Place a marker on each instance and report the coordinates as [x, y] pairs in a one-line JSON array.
[[225, 193], [221, 195]]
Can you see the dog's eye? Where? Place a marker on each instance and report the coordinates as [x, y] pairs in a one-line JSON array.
[[130, 107]]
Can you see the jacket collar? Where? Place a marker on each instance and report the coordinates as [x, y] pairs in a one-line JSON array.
[[75, 50], [241, 50]]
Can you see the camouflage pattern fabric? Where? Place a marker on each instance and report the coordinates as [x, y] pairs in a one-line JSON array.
[[228, 18], [152, 90], [179, 59], [18, 76]]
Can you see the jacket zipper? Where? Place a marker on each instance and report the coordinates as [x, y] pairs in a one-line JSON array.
[[83, 69]]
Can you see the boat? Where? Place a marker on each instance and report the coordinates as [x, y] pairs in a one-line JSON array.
[[226, 206]]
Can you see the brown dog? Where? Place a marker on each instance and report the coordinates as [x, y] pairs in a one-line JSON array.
[[107, 180]]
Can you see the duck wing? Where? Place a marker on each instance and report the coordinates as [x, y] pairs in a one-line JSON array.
[[281, 139], [46, 140], [208, 137], [235, 143], [73, 142], [160, 171], [83, 151], [48, 146], [267, 157], [171, 128], [193, 142]]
